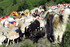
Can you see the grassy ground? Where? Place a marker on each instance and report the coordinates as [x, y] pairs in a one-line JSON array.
[[43, 42]]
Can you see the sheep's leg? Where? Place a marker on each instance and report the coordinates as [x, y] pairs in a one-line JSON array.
[[17, 40], [6, 25], [7, 43], [0, 43], [17, 24], [13, 41], [38, 28], [23, 36]]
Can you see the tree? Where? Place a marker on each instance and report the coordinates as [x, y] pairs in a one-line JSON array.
[[67, 1], [14, 2], [1, 11], [1, 0]]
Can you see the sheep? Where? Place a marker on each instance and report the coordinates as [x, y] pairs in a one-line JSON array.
[[12, 36], [2, 38]]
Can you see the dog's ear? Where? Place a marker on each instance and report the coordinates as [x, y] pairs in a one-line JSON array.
[[56, 21]]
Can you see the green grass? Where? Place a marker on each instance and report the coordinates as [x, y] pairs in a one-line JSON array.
[[27, 43]]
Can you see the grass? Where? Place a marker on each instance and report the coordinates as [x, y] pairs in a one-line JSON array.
[[66, 42], [27, 43]]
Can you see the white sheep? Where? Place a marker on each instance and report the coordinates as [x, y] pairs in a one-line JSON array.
[[12, 36]]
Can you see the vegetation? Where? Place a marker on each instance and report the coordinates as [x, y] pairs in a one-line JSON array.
[[7, 6], [66, 40], [44, 42], [27, 43], [3, 45]]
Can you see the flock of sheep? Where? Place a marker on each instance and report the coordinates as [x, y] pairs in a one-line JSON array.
[[10, 23]]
